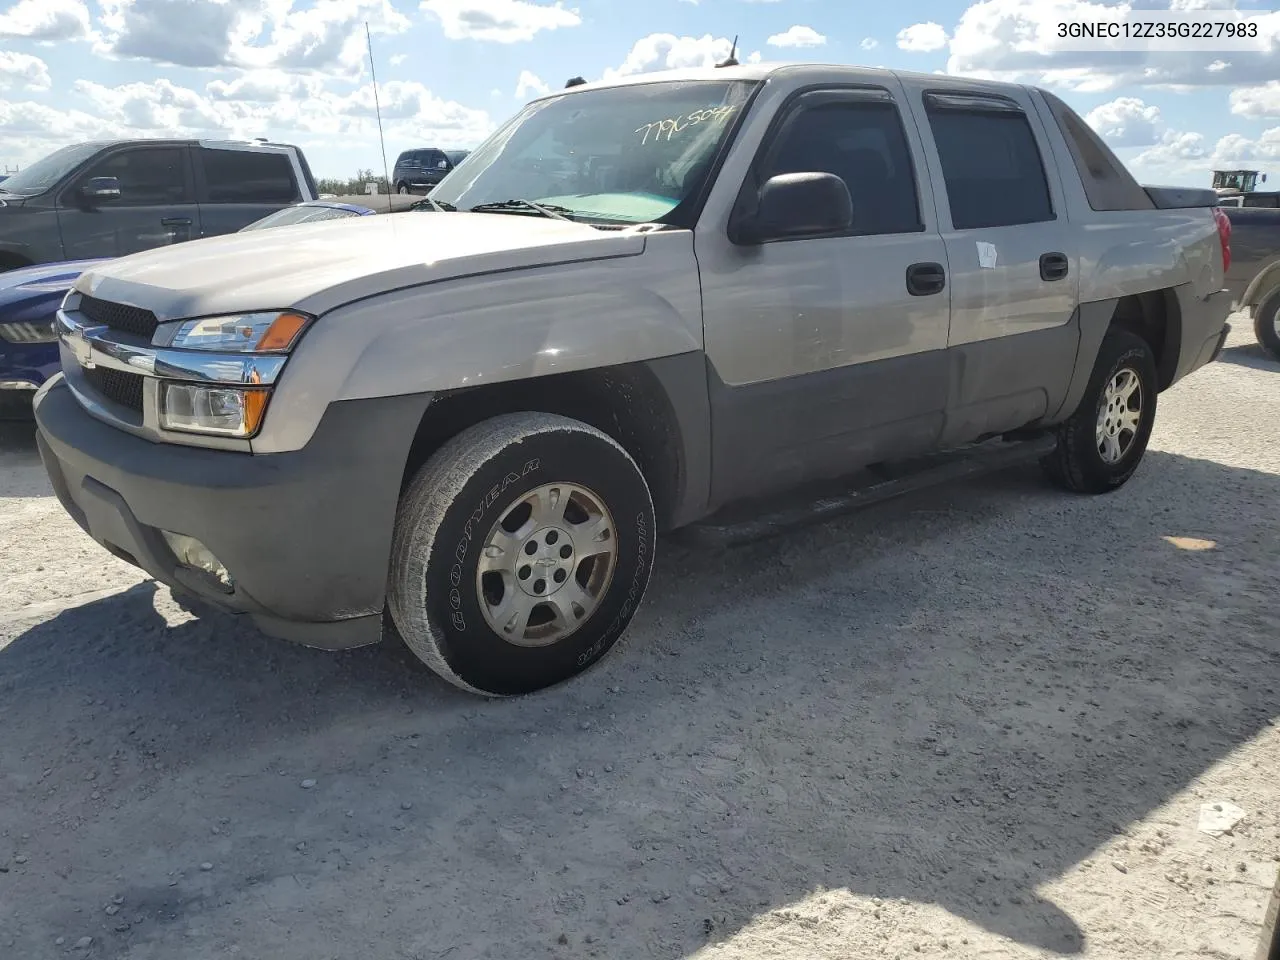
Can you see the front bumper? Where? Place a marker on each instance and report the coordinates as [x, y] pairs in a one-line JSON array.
[[305, 535]]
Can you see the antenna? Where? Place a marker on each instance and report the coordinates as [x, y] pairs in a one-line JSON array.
[[731, 60], [377, 107], [575, 82]]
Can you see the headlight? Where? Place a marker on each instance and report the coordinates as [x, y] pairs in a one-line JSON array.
[[273, 332], [217, 410], [28, 332]]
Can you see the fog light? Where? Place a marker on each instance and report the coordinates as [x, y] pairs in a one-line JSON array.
[[192, 553]]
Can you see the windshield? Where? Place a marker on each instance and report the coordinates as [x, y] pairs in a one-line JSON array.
[[45, 173], [629, 154], [304, 213]]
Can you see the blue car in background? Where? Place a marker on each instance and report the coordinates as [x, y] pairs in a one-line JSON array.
[[29, 296]]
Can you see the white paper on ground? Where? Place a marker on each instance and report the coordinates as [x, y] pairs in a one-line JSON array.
[[1219, 817]]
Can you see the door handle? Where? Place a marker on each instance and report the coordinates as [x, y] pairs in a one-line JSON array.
[[176, 222], [1053, 266], [925, 279]]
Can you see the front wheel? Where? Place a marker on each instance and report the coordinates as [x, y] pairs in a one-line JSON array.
[[402, 189], [522, 549], [1102, 444], [1266, 324]]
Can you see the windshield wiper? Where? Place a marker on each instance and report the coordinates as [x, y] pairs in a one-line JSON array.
[[545, 209], [439, 205]]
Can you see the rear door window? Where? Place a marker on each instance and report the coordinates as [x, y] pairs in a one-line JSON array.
[[991, 163], [245, 176]]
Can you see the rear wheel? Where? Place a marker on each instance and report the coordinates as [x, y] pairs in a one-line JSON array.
[[402, 188], [522, 549], [1102, 444], [1266, 324]]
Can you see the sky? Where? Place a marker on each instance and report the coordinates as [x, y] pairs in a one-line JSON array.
[[449, 71]]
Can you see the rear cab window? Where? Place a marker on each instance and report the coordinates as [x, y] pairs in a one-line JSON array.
[[1108, 185], [247, 176], [991, 163]]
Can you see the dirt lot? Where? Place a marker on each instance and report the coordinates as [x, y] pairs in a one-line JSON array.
[[980, 721]]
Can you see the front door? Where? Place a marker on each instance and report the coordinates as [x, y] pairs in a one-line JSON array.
[[156, 206], [828, 353], [1013, 257]]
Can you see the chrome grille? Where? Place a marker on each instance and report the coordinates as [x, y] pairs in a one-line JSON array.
[[116, 385], [119, 316]]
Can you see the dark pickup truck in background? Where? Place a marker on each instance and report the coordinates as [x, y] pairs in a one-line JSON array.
[[109, 199], [1253, 276]]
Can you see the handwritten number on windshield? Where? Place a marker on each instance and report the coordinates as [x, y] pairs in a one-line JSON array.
[[660, 130]]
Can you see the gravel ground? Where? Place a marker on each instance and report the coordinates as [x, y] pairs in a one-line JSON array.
[[981, 720]]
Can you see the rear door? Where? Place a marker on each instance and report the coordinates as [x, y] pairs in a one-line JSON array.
[[238, 185], [1011, 251], [156, 206]]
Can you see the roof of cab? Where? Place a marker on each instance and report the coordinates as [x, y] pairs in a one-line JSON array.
[[763, 71]]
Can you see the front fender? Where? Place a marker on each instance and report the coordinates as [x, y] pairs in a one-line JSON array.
[[504, 326]]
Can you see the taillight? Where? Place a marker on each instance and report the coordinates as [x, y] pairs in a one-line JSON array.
[[1224, 236]]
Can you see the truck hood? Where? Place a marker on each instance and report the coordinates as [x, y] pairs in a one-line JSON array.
[[315, 267]]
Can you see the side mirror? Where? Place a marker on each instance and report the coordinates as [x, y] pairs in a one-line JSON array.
[[100, 189], [798, 205]]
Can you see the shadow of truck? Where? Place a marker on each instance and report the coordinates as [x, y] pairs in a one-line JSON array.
[[953, 699]]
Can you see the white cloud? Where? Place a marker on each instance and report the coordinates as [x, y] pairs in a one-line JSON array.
[[30, 130], [869, 43], [46, 20], [398, 58], [755, 57], [1233, 149], [1257, 102], [265, 86], [1185, 157], [325, 37], [797, 36], [666, 51], [1175, 149], [530, 84], [23, 71], [322, 123], [1016, 40], [502, 21], [1127, 122], [922, 37]]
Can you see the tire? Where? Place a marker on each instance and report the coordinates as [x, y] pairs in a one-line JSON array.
[[1266, 324], [402, 188], [452, 615], [1082, 462]]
